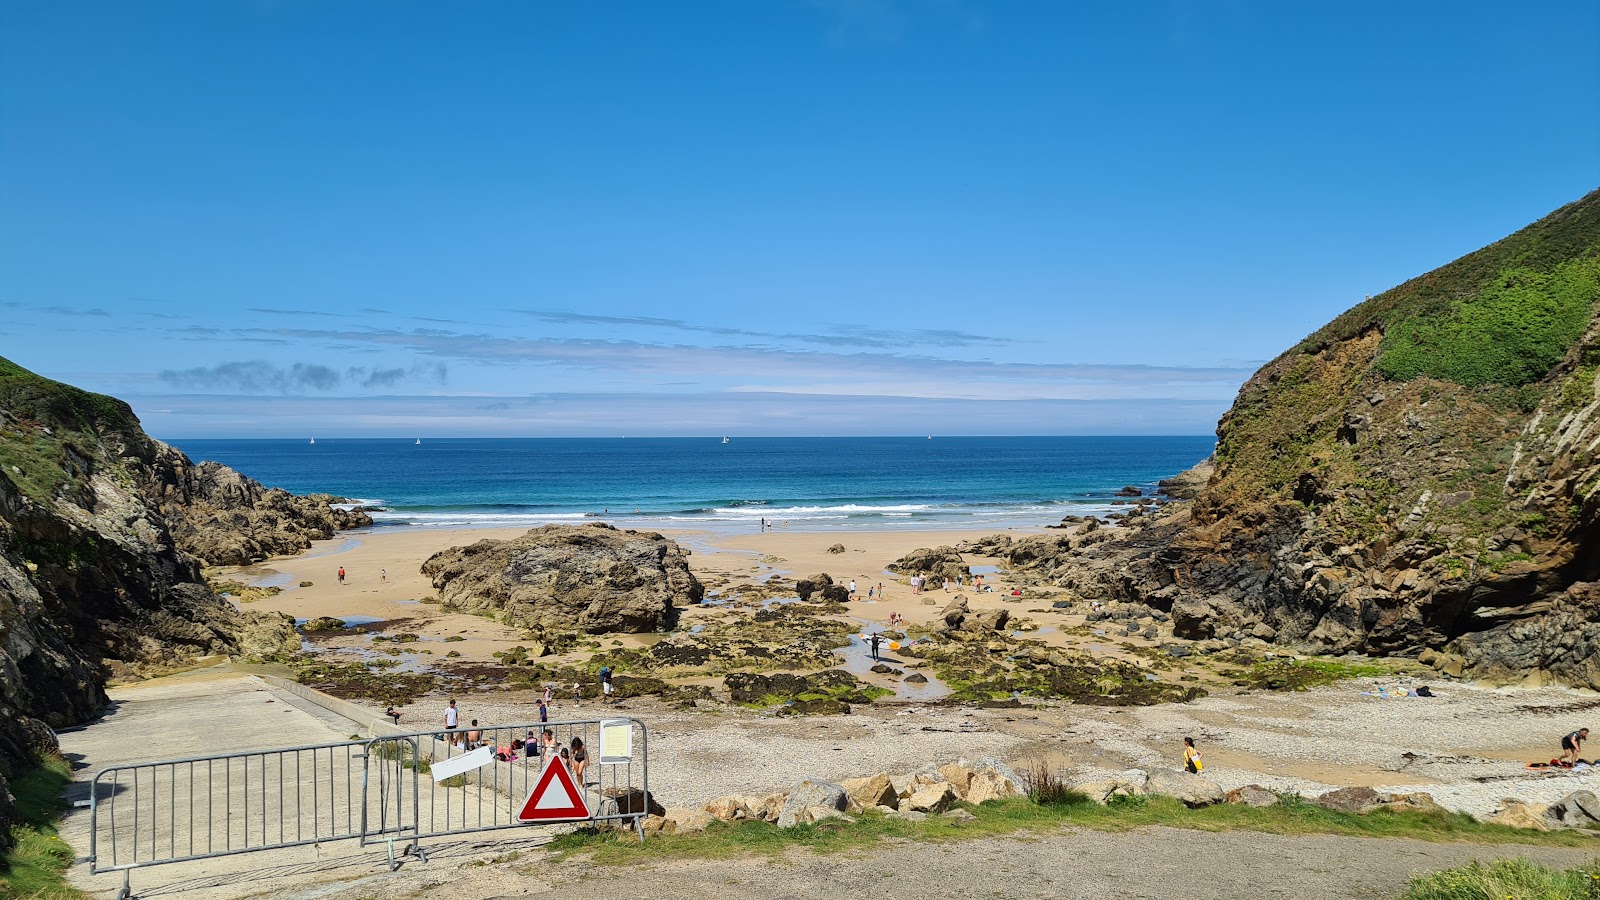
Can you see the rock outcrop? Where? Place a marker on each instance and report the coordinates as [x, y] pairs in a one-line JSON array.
[[1422, 474], [227, 519], [937, 562], [593, 578], [94, 582]]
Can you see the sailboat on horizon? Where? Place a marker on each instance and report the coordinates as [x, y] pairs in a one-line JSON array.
[[313, 440], [724, 439], [419, 442]]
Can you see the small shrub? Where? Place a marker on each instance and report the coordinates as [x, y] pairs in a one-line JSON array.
[[1046, 787]]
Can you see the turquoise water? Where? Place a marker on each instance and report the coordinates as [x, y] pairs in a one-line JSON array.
[[809, 483]]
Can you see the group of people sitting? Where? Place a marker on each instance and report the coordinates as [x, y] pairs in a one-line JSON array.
[[543, 745]]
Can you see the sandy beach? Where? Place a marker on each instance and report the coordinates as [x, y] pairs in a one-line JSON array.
[[1467, 746]]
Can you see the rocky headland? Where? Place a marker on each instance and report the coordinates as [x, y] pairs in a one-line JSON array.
[[103, 532], [1418, 478]]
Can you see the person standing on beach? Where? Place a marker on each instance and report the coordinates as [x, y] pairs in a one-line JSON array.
[[875, 639], [577, 693], [549, 693], [544, 710], [383, 575], [605, 684], [852, 589], [451, 717], [1571, 744], [341, 574], [1191, 757]]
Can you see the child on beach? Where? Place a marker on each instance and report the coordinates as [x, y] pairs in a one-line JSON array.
[[1191, 757]]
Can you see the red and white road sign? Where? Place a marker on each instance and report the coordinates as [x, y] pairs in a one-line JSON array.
[[555, 796]]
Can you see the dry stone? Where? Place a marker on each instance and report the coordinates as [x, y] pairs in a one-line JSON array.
[[1193, 790], [812, 792], [933, 798], [1357, 800], [1253, 795], [877, 790], [1125, 784]]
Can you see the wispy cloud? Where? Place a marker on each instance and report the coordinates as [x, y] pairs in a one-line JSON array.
[[57, 310], [858, 335], [260, 377], [300, 312]]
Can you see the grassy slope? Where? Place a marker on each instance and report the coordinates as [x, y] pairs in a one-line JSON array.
[[1286, 421], [50, 428], [37, 866]]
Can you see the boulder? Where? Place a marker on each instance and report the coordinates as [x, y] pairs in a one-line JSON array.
[[770, 807], [620, 801], [812, 792], [937, 563], [812, 814], [1358, 800], [322, 623], [1193, 790], [1518, 814], [591, 578], [1253, 795], [958, 775], [1419, 802], [1130, 783], [988, 785], [932, 798], [987, 620], [955, 613], [1579, 809], [1130, 491], [911, 815], [996, 767], [916, 678], [688, 821], [877, 790], [836, 548], [811, 584], [729, 809], [958, 815]]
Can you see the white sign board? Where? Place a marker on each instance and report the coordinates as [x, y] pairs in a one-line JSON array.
[[466, 762], [616, 740]]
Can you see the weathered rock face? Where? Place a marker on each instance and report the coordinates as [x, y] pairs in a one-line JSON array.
[[938, 562], [92, 582], [592, 578], [1421, 474], [227, 519]]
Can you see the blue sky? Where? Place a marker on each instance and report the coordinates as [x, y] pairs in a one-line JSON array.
[[291, 217]]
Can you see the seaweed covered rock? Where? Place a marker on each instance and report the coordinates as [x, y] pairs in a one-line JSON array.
[[819, 693], [592, 578]]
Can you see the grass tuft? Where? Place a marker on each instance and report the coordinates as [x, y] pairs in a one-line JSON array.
[[1020, 815], [1518, 879], [36, 868]]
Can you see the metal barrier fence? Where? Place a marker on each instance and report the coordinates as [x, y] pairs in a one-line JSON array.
[[379, 790]]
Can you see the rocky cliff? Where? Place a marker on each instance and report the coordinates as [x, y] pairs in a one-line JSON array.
[[98, 578], [1419, 477], [591, 578]]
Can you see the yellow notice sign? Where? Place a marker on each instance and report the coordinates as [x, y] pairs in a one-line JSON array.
[[616, 740]]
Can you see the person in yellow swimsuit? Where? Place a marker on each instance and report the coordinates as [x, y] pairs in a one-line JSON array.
[[1191, 757]]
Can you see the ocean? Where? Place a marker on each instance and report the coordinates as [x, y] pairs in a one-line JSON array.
[[812, 484]]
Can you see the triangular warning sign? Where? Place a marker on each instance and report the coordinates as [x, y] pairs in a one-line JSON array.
[[555, 797]]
